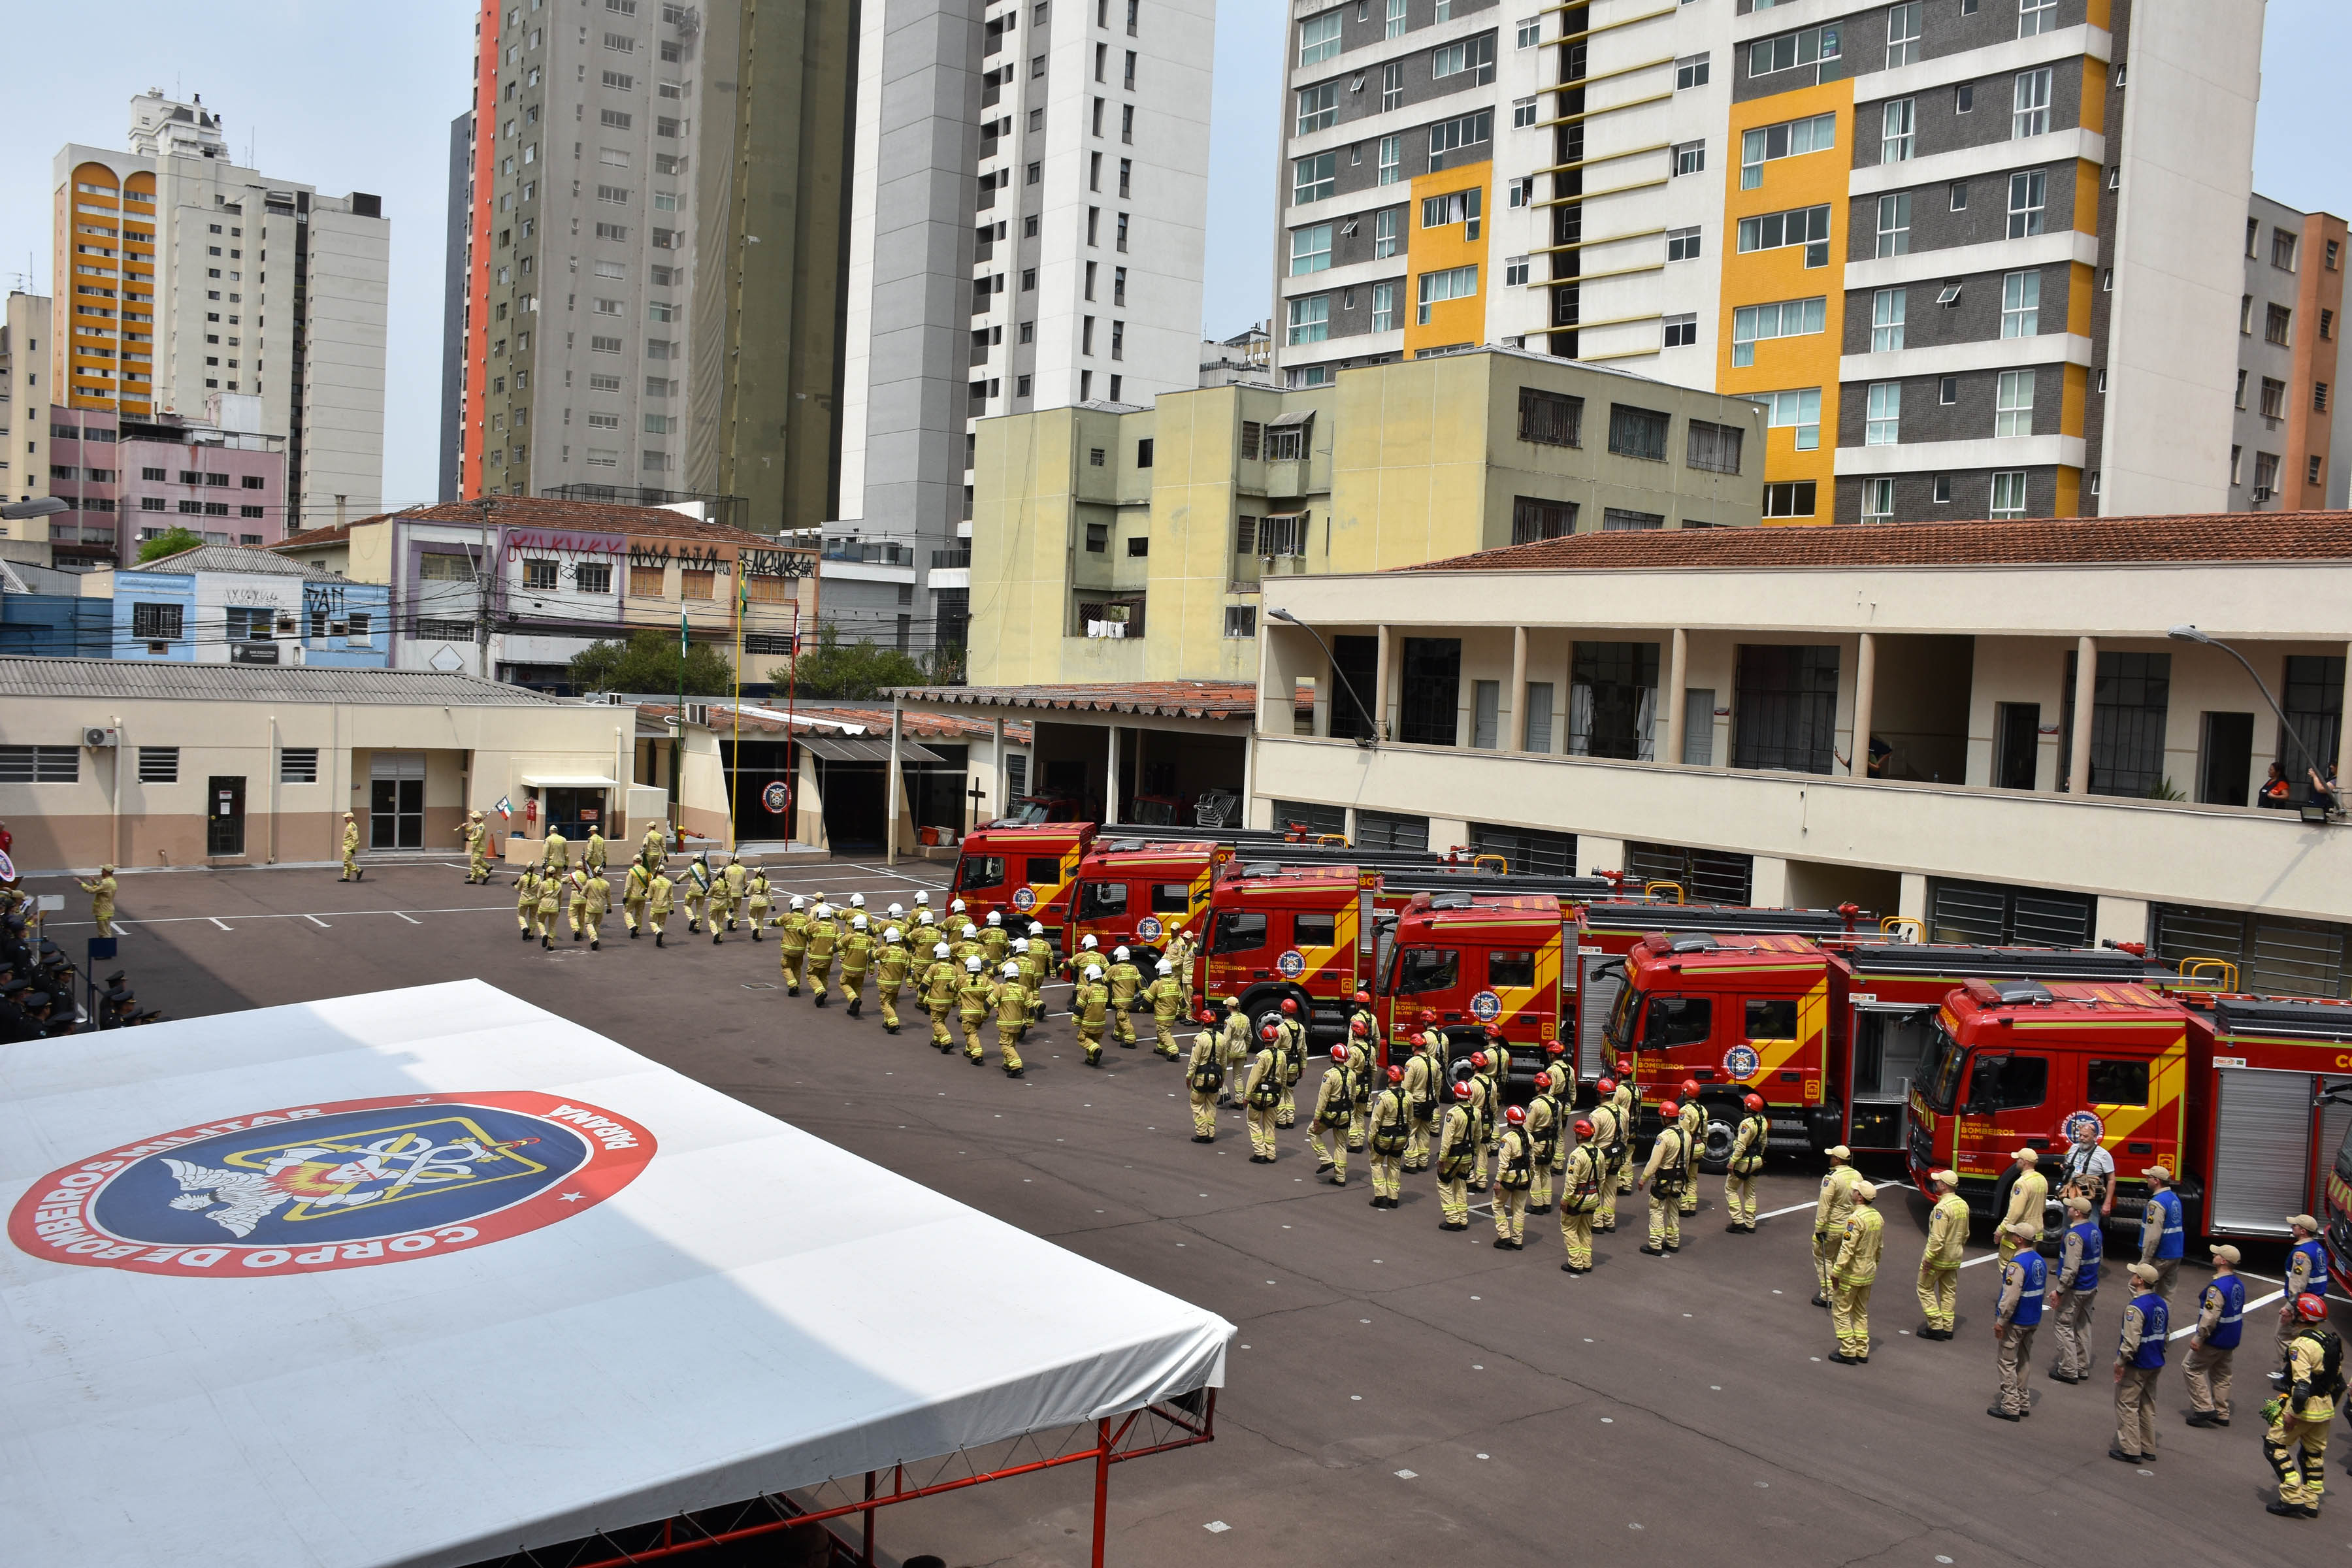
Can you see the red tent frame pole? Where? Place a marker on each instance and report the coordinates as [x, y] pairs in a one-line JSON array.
[[1102, 1487]]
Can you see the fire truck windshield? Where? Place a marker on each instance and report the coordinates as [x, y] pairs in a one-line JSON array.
[[1619, 1030], [1101, 900], [980, 871], [1427, 969], [1942, 1076]]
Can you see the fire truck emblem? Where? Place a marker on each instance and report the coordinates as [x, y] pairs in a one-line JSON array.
[[1025, 898], [1741, 1062], [1148, 928], [777, 797], [2075, 1126], [1486, 1007], [339, 1186], [1292, 964]]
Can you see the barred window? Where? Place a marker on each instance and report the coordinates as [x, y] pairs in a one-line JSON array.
[[1713, 447], [1637, 432], [40, 764], [1550, 418], [1532, 519], [155, 623], [159, 765], [443, 629], [298, 764]]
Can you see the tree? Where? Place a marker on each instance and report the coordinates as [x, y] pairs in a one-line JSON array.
[[647, 662], [851, 671], [171, 542]]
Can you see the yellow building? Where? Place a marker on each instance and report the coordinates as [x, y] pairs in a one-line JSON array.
[[1118, 546]]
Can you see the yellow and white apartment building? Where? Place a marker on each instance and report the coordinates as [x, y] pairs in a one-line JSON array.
[[1978, 257]]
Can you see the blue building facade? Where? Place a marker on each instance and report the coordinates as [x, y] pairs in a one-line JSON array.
[[226, 605]]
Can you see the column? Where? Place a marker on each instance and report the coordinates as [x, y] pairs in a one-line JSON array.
[[2343, 737], [2086, 679], [890, 799], [1594, 855], [1678, 696], [1767, 886], [1517, 696], [1865, 695], [1912, 902], [2120, 920], [1003, 773], [1383, 685], [1110, 780]]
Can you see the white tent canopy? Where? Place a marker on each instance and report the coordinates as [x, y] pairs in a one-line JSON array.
[[677, 1303]]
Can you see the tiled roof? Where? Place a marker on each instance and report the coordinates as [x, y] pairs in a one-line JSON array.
[[545, 512], [1167, 698], [257, 683], [2045, 542], [829, 719], [339, 534], [232, 558]]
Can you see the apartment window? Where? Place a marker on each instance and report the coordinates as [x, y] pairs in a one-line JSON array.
[[1452, 135], [1681, 332], [539, 574], [1387, 232], [2312, 467], [1883, 427], [1795, 497], [1903, 36], [2275, 320], [1473, 55], [1241, 620], [2008, 495], [1523, 191], [1523, 114], [1533, 520], [1637, 432], [1392, 160], [2335, 249], [1690, 158], [1682, 245], [1878, 501], [1318, 108], [1791, 51], [1530, 32], [1887, 307], [1898, 125], [1310, 249], [1618, 520], [1456, 206], [2274, 404], [1384, 308], [2241, 389], [2319, 396], [2283, 250], [2266, 473], [1807, 227], [2020, 304], [1550, 418], [1895, 224], [2042, 16], [1310, 319], [1959, 190], [1316, 178], [1449, 283], [2030, 114], [1392, 85], [2013, 405], [1767, 143], [2327, 325], [2028, 192], [1788, 319], [1713, 447], [1396, 20], [1690, 71], [1799, 411], [1128, 80], [2237, 458], [1515, 272]]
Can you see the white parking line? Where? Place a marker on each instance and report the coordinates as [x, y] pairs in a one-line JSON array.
[[317, 921], [1792, 1208], [219, 922], [411, 920], [2184, 1334], [1988, 1258]]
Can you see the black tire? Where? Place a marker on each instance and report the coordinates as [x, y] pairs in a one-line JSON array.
[[1715, 1146]]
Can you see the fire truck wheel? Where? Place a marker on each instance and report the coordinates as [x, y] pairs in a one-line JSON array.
[[1715, 1147]]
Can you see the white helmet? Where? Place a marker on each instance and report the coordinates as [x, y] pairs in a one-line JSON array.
[[857, 922], [973, 965], [1012, 971], [1088, 943], [971, 930], [822, 912], [798, 902], [1166, 967], [891, 935], [922, 900], [995, 918], [856, 901], [938, 949], [1036, 927], [1094, 977], [895, 912], [956, 908], [1119, 954]]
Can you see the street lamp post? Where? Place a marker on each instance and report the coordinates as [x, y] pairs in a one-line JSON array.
[[2190, 634], [1367, 742]]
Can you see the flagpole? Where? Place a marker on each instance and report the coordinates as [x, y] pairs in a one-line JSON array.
[[742, 587], [677, 757]]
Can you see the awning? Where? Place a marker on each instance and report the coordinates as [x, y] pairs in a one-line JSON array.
[[614, 1299], [865, 749], [1296, 417], [567, 781]]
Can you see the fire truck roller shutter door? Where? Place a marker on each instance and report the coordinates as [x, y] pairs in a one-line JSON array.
[[2260, 1150]]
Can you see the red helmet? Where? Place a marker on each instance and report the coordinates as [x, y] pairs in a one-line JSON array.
[[1553, 1048], [1363, 998], [1583, 1127], [1478, 1060], [1690, 1088], [1516, 1114], [1493, 1033], [1268, 1032], [1754, 1102], [1355, 1027], [1291, 1004], [1207, 1017], [1668, 1110], [1427, 1016], [1462, 1092], [2311, 1306], [1606, 1087], [1339, 1053], [1396, 1075], [1624, 1067], [1420, 1042]]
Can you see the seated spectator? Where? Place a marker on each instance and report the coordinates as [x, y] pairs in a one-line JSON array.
[[2323, 791]]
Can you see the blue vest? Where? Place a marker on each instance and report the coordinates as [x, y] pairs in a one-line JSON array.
[[2154, 1323], [2172, 1242], [2318, 1253], [2029, 1298], [2233, 1291], [2086, 1277]]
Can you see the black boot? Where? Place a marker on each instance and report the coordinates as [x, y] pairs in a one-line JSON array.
[[657, 938], [854, 1006]]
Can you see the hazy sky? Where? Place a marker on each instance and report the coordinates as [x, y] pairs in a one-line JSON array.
[[347, 96]]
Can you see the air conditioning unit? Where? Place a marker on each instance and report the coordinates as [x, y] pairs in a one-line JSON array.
[[101, 735]]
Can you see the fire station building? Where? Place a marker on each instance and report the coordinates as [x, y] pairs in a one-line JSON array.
[[2034, 732]]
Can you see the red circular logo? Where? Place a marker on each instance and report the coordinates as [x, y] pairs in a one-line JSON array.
[[342, 1185]]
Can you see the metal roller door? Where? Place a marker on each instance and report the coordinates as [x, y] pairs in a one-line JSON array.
[[1704, 876], [2262, 1133], [1594, 999]]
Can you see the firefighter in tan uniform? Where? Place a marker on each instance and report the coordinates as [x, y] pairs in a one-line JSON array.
[[1515, 1174], [1623, 1102], [1663, 1176], [1360, 1079], [857, 958], [527, 901], [653, 850], [1546, 1122], [1694, 1125], [1392, 1127], [1126, 981], [1483, 1110], [823, 943], [2026, 1199], [2296, 1442], [758, 899], [657, 904], [1204, 1074], [1851, 1274], [1029, 953], [1420, 1091], [554, 853], [1581, 1183], [724, 886], [940, 979], [600, 905], [891, 968], [791, 943], [1090, 1005], [1939, 1265], [351, 852], [1011, 1018], [1263, 1092], [1747, 1144], [737, 878], [1457, 1151], [1180, 954], [1167, 999], [1234, 1032], [575, 901], [1609, 1141], [694, 886], [975, 998], [635, 885], [550, 905], [1830, 1211], [592, 855], [478, 847], [1293, 1061], [1334, 1107]]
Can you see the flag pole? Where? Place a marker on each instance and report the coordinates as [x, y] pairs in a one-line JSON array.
[[677, 756], [743, 589]]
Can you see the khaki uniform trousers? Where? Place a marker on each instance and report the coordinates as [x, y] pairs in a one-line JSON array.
[[1333, 1153], [2072, 1310], [1604, 1219], [2135, 1410], [1939, 1293], [1387, 1179], [1850, 1316], [2206, 1371], [1261, 1130], [1576, 1237], [1416, 1146], [2016, 1361], [2297, 1450], [790, 959], [1204, 1113], [1665, 1221], [1510, 1212], [1740, 1197], [941, 1035], [1454, 1200]]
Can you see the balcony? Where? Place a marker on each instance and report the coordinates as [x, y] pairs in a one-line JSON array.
[[942, 559]]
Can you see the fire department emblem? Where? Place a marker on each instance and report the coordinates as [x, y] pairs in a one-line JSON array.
[[1148, 928], [1741, 1062], [777, 797], [1486, 1007], [1291, 964], [2083, 1121], [339, 1186], [1025, 898]]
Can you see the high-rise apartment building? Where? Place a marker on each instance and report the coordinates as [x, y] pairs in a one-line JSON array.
[[163, 298], [1960, 249], [649, 294], [25, 407], [2285, 454], [1027, 232]]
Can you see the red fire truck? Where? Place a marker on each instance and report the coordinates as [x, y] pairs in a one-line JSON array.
[[1130, 891], [1023, 871], [1305, 934]]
